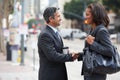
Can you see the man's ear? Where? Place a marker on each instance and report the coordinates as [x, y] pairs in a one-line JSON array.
[[50, 18]]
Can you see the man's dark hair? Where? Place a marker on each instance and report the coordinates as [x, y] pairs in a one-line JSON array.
[[49, 12]]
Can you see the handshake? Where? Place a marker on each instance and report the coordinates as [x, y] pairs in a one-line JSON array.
[[74, 55]]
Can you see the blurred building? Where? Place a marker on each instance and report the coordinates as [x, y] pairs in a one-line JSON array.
[[35, 8], [65, 23], [111, 26], [39, 6], [111, 16], [53, 3]]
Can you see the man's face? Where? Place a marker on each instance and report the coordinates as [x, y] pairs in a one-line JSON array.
[[56, 20]]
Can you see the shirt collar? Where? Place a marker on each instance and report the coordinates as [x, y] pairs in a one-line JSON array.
[[54, 29]]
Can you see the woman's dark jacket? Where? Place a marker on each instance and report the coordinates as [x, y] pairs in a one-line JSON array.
[[101, 45]]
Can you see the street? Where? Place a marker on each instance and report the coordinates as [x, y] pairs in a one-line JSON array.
[[73, 68]]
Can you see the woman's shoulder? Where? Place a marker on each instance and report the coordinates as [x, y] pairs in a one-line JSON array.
[[102, 28], [102, 32]]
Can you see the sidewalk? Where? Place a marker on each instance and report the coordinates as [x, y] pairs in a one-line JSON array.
[[11, 71]]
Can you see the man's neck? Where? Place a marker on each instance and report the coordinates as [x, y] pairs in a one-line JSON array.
[[52, 25], [54, 28]]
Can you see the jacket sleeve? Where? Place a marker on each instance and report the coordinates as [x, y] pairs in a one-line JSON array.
[[104, 46], [48, 48]]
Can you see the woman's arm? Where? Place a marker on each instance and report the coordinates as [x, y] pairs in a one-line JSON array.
[[104, 46]]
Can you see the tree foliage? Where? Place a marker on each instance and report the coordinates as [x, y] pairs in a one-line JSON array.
[[113, 5], [36, 22], [75, 9]]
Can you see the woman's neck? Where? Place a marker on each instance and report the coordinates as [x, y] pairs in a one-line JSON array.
[[93, 26]]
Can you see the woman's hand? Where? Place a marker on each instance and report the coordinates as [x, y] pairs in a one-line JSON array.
[[90, 39]]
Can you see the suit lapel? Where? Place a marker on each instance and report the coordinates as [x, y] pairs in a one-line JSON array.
[[54, 35]]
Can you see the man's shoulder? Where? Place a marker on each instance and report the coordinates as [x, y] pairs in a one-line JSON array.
[[44, 32]]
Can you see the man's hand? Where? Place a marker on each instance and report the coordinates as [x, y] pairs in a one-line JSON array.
[[75, 56]]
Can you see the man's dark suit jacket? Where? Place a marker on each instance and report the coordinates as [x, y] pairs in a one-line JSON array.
[[52, 59]]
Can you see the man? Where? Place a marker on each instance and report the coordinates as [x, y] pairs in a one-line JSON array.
[[50, 48]]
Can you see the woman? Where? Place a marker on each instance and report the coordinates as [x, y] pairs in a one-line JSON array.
[[97, 18]]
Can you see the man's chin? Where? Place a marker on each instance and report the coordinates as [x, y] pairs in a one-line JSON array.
[[58, 24]]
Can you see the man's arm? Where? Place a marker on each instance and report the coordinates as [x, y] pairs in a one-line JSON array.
[[47, 45]]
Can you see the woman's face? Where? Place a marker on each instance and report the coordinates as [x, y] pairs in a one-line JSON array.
[[88, 17]]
